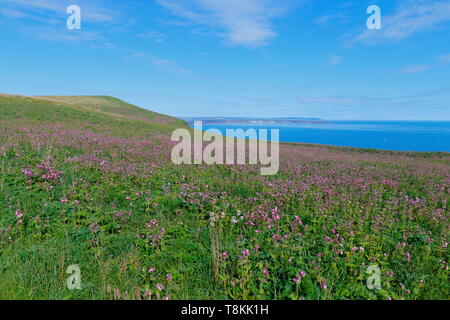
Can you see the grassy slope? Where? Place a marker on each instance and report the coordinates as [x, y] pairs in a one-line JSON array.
[[105, 104], [93, 213], [104, 112]]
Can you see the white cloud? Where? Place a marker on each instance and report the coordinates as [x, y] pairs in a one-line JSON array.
[[379, 107], [334, 60], [445, 58], [413, 69], [92, 11], [39, 4], [12, 13], [48, 19], [161, 64], [64, 36], [318, 101], [328, 20], [154, 35], [411, 17], [241, 22]]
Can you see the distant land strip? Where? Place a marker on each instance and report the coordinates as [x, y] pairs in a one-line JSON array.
[[244, 120]]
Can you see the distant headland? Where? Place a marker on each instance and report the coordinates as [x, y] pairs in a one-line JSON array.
[[249, 120]]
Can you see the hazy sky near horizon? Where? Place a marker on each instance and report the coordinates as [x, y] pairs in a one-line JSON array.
[[262, 58]]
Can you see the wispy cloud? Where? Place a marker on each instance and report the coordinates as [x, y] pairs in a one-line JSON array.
[[52, 5], [419, 68], [333, 60], [445, 58], [92, 11], [319, 101], [328, 20], [12, 13], [154, 35], [378, 107], [46, 19], [412, 69], [53, 34], [241, 22], [410, 17], [161, 64]]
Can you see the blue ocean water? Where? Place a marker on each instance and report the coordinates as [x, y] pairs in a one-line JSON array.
[[385, 135]]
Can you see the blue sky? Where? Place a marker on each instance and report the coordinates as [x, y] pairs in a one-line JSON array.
[[262, 58]]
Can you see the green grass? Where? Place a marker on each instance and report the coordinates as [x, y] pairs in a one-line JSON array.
[[94, 113], [104, 104]]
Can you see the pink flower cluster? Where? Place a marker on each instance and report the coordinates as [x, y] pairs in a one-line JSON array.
[[155, 232], [43, 171], [299, 276]]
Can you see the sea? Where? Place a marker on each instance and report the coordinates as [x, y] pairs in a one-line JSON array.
[[385, 135]]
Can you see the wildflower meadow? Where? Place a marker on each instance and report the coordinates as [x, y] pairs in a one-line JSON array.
[[88, 181]]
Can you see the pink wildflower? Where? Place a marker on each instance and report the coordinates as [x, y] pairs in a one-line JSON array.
[[160, 287], [19, 214]]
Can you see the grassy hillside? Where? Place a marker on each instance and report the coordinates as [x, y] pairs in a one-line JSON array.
[[98, 113], [89, 181], [108, 105]]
